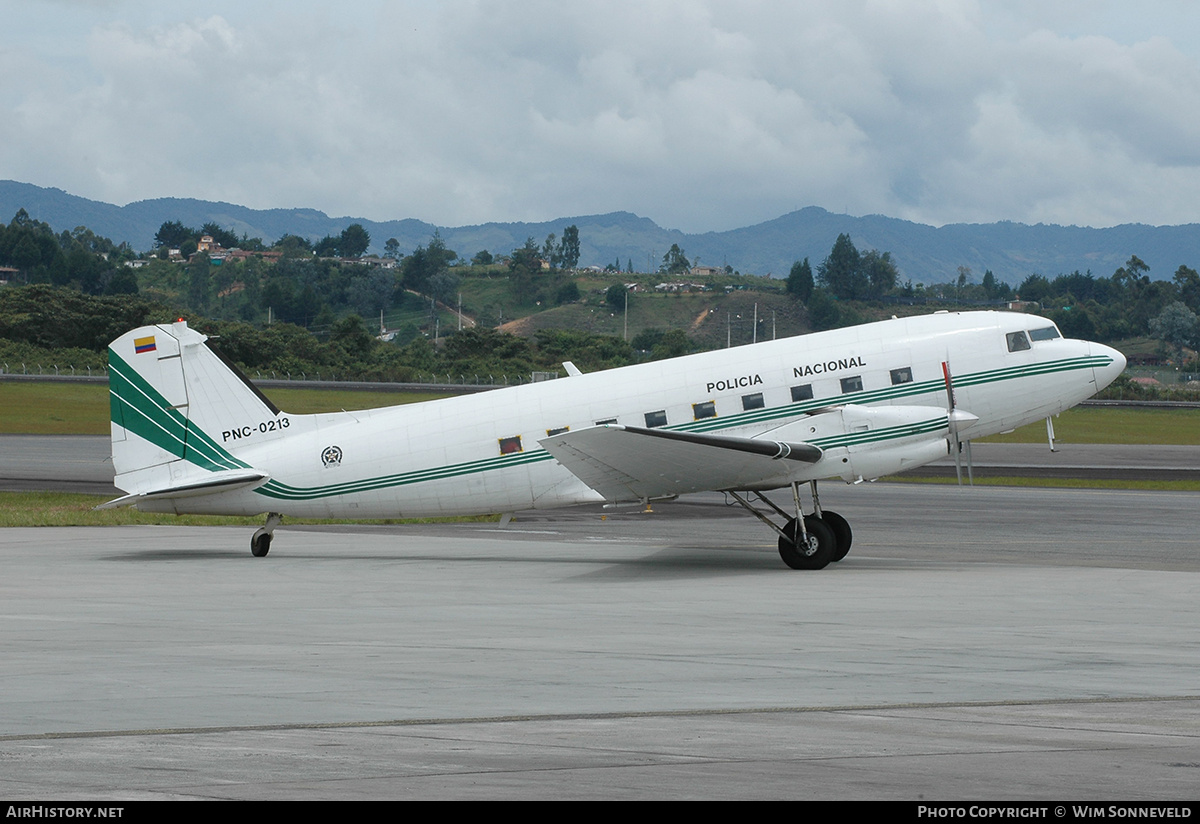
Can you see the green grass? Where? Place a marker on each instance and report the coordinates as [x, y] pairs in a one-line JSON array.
[[44, 408], [1113, 425], [72, 509], [38, 408]]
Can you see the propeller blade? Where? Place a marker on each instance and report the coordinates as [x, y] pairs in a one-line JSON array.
[[957, 419], [949, 386]]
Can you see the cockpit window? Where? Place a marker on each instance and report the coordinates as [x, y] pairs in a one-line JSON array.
[[1017, 341], [1047, 333]]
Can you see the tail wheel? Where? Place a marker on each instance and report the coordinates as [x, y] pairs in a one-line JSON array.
[[260, 544], [813, 550]]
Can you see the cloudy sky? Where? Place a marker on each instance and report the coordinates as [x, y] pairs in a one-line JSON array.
[[699, 115]]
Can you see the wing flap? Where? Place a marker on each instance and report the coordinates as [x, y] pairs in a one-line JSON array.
[[626, 463]]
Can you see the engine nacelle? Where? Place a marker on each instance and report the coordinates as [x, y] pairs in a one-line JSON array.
[[864, 443]]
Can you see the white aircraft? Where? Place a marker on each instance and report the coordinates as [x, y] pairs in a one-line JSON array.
[[191, 434]]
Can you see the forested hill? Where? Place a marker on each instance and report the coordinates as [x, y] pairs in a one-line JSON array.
[[923, 254]]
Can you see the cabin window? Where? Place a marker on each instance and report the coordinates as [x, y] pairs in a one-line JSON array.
[[558, 431], [1047, 333], [656, 419], [802, 393], [509, 446], [708, 409], [852, 384], [754, 401], [902, 375], [1017, 342], [606, 422]]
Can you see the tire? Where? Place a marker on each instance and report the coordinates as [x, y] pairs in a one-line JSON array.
[[260, 544], [841, 532], [822, 545]]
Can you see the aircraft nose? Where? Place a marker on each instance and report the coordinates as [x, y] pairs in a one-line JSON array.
[[1106, 373]]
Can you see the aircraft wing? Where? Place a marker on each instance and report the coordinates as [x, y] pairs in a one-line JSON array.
[[625, 463]]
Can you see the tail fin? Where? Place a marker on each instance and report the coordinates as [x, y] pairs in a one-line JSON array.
[[175, 406]]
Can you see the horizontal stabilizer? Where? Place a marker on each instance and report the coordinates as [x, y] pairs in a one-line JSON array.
[[625, 463], [210, 484]]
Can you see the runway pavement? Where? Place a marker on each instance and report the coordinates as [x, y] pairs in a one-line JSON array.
[[986, 643]]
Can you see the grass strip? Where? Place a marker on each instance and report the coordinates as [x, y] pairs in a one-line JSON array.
[[74, 509]]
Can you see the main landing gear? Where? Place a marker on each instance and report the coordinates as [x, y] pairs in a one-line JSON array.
[[805, 541], [260, 544]]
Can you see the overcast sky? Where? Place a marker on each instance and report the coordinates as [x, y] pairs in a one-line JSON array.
[[699, 115]]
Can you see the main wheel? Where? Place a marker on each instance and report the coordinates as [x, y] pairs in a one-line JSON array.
[[841, 531], [811, 551], [260, 544]]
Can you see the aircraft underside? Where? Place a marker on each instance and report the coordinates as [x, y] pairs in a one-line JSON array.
[[809, 542]]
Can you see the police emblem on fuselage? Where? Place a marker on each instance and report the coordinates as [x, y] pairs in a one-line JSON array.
[[331, 455]]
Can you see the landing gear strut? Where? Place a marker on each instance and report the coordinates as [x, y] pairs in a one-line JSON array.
[[260, 544], [805, 541]]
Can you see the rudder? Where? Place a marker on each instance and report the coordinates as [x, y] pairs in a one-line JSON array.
[[169, 394]]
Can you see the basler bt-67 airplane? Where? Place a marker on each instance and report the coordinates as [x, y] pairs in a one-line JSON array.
[[191, 434]]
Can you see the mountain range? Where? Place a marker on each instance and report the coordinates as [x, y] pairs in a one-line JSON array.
[[922, 253]]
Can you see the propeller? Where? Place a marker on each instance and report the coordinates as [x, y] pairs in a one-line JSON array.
[[957, 419]]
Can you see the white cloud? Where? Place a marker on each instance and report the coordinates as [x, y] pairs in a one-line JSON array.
[[699, 115]]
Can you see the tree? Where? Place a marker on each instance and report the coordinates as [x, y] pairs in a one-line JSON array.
[[568, 248], [1176, 327], [482, 258], [674, 261], [326, 246], [1187, 281], [568, 293], [223, 237], [173, 234], [369, 292], [823, 311], [841, 272], [439, 255], [443, 285], [1035, 288], [993, 288], [800, 281], [1132, 276], [879, 272], [354, 241], [616, 295], [198, 275], [391, 249], [524, 265], [292, 245]]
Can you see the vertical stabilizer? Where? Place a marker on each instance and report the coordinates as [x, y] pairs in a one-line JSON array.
[[171, 398]]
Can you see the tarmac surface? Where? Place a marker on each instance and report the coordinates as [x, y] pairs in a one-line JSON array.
[[977, 644]]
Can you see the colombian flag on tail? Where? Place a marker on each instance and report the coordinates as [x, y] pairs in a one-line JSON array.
[[141, 345]]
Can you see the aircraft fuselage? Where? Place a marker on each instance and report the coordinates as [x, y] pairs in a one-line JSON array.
[[482, 453]]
